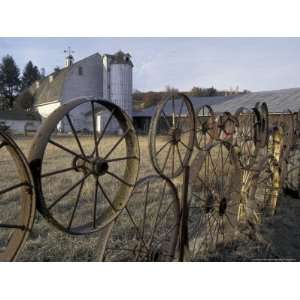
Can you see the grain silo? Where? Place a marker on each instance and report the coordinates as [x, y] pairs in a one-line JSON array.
[[117, 80]]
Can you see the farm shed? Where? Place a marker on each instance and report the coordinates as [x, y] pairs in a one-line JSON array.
[[142, 118], [19, 122], [278, 101]]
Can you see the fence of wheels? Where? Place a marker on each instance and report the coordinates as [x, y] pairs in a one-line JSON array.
[[210, 174]]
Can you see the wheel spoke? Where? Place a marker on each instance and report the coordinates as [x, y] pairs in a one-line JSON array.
[[118, 178], [106, 196], [121, 158], [57, 172], [12, 226], [66, 149], [75, 135], [161, 148], [117, 143], [94, 130], [166, 119], [68, 191], [95, 203], [76, 205], [16, 186], [167, 157]]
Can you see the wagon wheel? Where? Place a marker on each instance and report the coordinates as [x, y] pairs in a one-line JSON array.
[[227, 124], [148, 227], [84, 175], [206, 124], [171, 137], [263, 135], [292, 176], [245, 137], [264, 190], [215, 198], [17, 199]]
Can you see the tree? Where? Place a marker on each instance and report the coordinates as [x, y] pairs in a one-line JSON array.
[[31, 74], [9, 80], [56, 69], [196, 91]]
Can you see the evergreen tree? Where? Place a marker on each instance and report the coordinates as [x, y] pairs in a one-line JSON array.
[[9, 80], [31, 74]]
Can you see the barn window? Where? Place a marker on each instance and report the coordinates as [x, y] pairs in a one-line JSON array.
[[80, 71]]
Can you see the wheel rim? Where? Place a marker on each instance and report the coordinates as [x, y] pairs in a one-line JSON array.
[[83, 204], [206, 130], [17, 200], [148, 227], [215, 198], [171, 147]]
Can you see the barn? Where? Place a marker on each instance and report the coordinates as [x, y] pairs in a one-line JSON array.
[[98, 76]]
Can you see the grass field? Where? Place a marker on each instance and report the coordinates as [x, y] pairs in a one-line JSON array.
[[278, 238]]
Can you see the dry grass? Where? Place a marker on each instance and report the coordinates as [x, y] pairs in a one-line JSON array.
[[279, 237]]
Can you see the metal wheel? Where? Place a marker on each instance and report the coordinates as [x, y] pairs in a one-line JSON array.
[[228, 125], [172, 135], [264, 190], [17, 199], [148, 227], [98, 165], [263, 135], [292, 176], [207, 129], [215, 198], [245, 137]]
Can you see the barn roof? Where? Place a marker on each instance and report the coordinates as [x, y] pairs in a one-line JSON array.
[[19, 115], [277, 101], [197, 102], [50, 88]]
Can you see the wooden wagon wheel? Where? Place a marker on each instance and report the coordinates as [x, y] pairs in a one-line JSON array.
[[207, 129], [291, 180], [227, 124], [215, 198], [246, 136], [97, 168], [148, 227], [17, 199], [263, 124], [172, 135]]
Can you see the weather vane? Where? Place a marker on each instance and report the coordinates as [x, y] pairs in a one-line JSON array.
[[69, 51]]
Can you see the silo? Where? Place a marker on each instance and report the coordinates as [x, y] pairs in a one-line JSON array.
[[119, 80]]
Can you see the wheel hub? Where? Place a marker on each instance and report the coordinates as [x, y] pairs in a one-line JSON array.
[[175, 134], [97, 166], [222, 206]]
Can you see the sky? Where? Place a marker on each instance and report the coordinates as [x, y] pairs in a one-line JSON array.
[[254, 64]]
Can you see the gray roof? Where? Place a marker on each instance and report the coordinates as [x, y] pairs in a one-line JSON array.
[[277, 101], [197, 102], [49, 91]]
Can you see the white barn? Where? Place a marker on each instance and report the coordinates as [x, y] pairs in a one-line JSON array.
[[104, 77]]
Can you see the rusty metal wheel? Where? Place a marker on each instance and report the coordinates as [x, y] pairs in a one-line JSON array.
[[227, 124], [207, 129], [148, 227], [214, 200], [264, 190], [245, 137], [172, 135], [292, 176], [263, 124], [17, 203], [84, 171]]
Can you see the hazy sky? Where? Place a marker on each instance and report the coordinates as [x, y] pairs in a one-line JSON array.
[[251, 63]]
